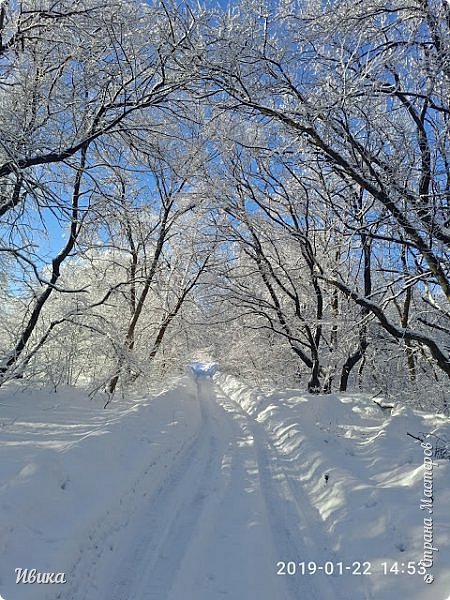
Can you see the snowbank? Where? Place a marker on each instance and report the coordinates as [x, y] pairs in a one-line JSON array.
[[364, 478]]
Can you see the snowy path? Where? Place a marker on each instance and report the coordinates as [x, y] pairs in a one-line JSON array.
[[222, 518], [197, 492]]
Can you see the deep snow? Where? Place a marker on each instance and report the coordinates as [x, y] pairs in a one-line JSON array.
[[198, 492]]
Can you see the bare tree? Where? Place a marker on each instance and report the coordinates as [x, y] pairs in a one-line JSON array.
[[73, 81], [355, 88]]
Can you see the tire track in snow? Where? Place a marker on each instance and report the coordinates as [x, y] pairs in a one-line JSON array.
[[163, 528], [104, 565], [216, 526], [230, 555], [299, 531], [249, 521], [287, 511]]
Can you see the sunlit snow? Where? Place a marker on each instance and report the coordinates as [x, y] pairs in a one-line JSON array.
[[203, 491]]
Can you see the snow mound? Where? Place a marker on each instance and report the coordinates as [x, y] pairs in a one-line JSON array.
[[354, 463]]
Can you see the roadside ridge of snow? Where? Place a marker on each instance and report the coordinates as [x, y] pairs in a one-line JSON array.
[[370, 505]]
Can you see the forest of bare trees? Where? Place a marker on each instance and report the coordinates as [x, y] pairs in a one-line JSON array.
[[268, 183]]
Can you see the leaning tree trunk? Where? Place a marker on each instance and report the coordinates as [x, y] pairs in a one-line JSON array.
[[30, 326]]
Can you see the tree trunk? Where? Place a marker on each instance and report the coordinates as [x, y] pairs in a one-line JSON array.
[[56, 271]]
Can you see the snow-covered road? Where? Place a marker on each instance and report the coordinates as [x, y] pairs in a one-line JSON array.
[[200, 491], [223, 517]]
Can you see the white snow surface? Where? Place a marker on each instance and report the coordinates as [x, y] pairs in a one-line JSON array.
[[198, 492]]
